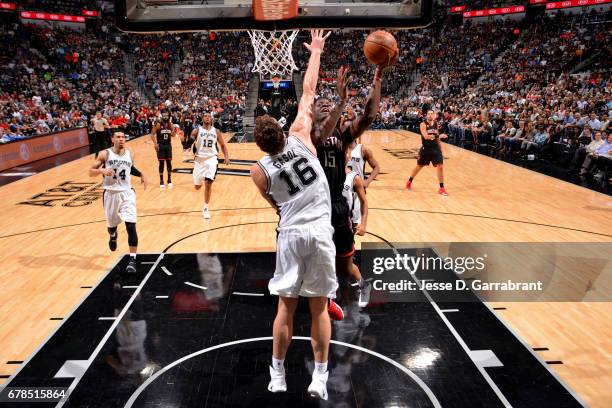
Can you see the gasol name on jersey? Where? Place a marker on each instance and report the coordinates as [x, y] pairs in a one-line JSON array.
[[284, 159]]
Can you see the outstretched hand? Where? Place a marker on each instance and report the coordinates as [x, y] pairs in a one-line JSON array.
[[342, 82], [317, 41]]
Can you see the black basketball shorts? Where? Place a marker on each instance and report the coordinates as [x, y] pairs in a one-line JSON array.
[[430, 155], [343, 231], [164, 152]]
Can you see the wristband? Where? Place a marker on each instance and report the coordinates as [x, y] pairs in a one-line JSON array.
[[135, 172], [377, 75]]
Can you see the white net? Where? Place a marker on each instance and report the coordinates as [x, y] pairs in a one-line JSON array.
[[273, 53]]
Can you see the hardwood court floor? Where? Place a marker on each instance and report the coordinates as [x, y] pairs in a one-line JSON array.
[[56, 244]]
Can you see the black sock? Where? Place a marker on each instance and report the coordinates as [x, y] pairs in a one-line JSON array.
[[410, 179], [161, 178], [441, 185]]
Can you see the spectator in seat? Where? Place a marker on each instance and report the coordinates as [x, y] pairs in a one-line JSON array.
[[604, 150], [583, 151], [594, 122]]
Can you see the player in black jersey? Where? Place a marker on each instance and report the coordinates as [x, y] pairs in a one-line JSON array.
[[161, 135], [431, 151], [187, 126], [332, 143]]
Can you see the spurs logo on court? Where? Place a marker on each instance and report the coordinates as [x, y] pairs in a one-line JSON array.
[[68, 194], [24, 152]]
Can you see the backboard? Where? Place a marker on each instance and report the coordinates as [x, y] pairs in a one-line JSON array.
[[189, 15]]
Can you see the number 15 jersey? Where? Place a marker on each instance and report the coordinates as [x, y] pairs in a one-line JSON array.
[[297, 185]]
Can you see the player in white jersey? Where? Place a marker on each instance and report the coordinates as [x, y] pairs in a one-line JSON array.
[[205, 168], [291, 179], [117, 165], [354, 192], [360, 155], [355, 195]]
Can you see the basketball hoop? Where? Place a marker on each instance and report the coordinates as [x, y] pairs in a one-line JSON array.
[[273, 52]]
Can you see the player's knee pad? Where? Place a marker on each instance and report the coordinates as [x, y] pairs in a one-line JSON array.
[[169, 165], [161, 166], [132, 235]]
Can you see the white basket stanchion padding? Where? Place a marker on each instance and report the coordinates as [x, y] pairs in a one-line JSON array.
[[273, 52]]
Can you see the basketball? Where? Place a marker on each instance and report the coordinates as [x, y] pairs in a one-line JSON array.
[[380, 47]]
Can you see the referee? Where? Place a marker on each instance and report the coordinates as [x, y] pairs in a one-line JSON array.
[[101, 127]]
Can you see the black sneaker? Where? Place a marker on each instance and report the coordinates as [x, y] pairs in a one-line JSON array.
[[131, 268], [112, 242]]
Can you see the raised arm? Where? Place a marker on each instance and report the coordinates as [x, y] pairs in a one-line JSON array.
[[330, 122], [362, 123], [302, 125]]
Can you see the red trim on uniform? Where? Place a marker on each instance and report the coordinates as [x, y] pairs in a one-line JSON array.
[[351, 253]]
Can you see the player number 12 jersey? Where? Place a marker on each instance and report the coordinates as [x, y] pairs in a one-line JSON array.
[[206, 143]]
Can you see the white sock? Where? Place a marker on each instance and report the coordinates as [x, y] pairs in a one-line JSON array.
[[321, 368], [133, 256], [277, 364], [206, 206]]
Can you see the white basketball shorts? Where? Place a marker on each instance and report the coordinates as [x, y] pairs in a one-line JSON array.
[[119, 206], [204, 169], [305, 262]]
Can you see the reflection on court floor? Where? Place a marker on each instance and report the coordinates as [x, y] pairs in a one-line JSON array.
[[193, 330]]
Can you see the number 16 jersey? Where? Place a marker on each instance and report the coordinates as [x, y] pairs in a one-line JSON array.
[[297, 185]]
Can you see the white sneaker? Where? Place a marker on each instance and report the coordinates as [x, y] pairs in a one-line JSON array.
[[277, 380], [363, 294], [205, 213], [162, 187], [318, 386], [170, 185]]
